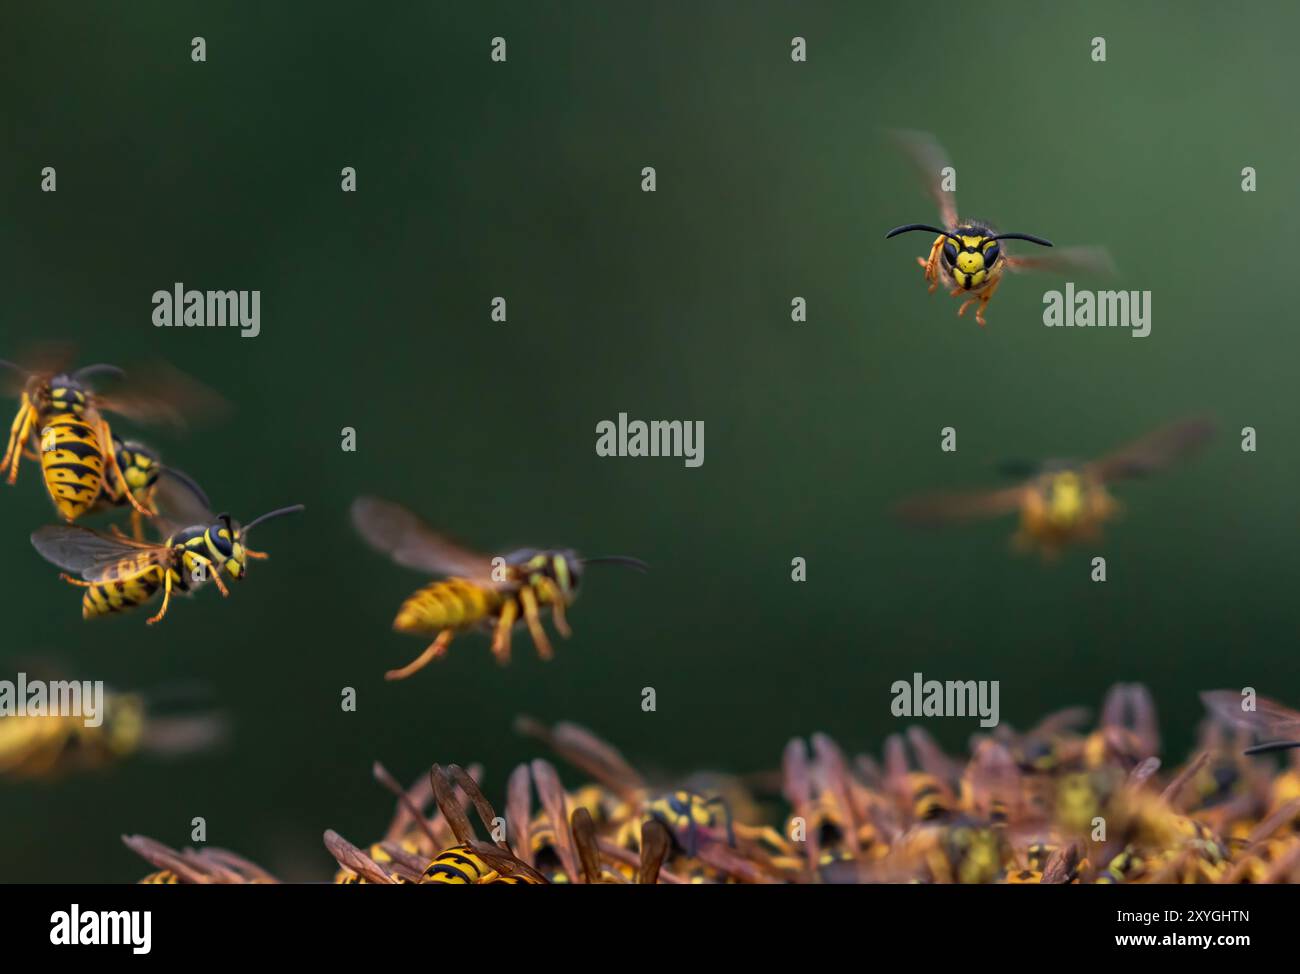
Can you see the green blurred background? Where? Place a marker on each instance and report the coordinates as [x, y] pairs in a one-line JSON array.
[[522, 179]]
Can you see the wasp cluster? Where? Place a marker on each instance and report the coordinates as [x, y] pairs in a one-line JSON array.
[[1055, 804]]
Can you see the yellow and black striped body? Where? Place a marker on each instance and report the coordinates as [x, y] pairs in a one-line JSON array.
[[72, 460], [142, 581], [454, 603], [164, 877], [462, 866], [930, 798]]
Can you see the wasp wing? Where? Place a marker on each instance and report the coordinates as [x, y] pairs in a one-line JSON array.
[[1155, 451], [36, 359], [1094, 261], [1269, 718], [160, 394], [945, 508], [180, 502], [928, 159], [97, 557], [404, 537]]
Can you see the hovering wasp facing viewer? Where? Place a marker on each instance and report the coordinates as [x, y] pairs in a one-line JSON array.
[[1064, 501], [478, 590], [969, 254], [119, 574]]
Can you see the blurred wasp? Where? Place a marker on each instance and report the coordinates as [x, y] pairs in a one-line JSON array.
[[969, 254], [1063, 501], [208, 865], [120, 574], [52, 745], [480, 592], [61, 422], [699, 825], [1268, 719]]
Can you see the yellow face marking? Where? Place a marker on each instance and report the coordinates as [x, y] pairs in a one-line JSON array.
[[1065, 498]]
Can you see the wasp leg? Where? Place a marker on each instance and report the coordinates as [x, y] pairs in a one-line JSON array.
[[529, 600], [80, 583], [984, 300], [931, 264], [211, 572], [557, 615], [435, 650], [110, 466], [19, 433], [256, 555], [501, 638], [167, 598]]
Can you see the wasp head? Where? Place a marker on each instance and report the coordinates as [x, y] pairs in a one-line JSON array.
[[971, 252], [139, 465]]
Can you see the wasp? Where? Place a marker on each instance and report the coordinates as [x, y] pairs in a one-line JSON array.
[[1063, 501], [60, 422], [149, 484], [479, 592], [1267, 719], [207, 865], [969, 254], [119, 574], [48, 746]]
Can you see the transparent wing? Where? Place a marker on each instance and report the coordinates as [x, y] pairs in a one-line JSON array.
[[946, 508], [160, 394], [404, 537], [1155, 451], [1269, 718], [1095, 261], [97, 557], [180, 501], [928, 160]]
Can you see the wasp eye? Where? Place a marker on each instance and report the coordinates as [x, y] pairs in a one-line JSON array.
[[949, 253], [991, 255]]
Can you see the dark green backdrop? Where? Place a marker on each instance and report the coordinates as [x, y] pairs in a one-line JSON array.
[[479, 179]]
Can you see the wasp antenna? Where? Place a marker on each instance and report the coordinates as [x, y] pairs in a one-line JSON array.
[[625, 560], [923, 226], [293, 509], [1023, 236], [99, 368], [1273, 746]]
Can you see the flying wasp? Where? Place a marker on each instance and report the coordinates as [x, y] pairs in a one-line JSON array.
[[61, 422], [49, 746], [1268, 719], [119, 574], [968, 254], [479, 592], [1063, 501]]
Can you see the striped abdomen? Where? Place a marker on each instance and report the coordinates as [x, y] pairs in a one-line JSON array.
[[103, 598], [451, 604], [462, 866], [72, 461]]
